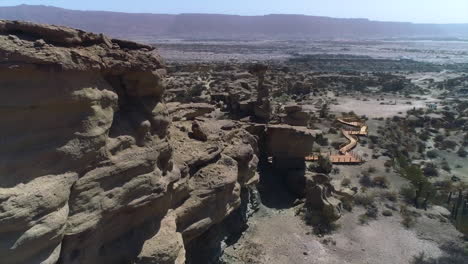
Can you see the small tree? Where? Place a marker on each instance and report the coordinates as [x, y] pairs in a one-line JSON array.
[[324, 111], [423, 188]]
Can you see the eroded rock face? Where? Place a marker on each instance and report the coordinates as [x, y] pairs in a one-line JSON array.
[[284, 141], [321, 197], [219, 167], [296, 116], [88, 170]]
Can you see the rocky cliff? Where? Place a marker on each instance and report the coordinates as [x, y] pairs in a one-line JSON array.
[[91, 170]]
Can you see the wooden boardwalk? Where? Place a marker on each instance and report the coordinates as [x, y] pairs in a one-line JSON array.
[[346, 157]]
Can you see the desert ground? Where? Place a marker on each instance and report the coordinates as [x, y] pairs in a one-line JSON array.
[[399, 88]]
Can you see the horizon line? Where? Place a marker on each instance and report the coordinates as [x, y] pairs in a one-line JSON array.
[[230, 14]]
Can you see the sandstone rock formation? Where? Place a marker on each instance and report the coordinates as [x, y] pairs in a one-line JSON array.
[[89, 171], [284, 141], [296, 116], [262, 108], [321, 197]]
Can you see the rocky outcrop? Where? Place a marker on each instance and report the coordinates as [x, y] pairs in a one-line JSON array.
[[89, 170], [262, 108], [219, 168], [284, 141], [321, 198], [296, 116]]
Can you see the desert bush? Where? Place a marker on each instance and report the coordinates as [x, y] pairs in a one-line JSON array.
[[370, 214], [322, 141], [380, 181], [348, 204], [439, 138], [364, 200], [365, 180], [363, 219], [424, 136], [195, 90], [388, 195], [388, 163], [372, 211], [408, 219], [445, 166], [345, 182], [321, 225], [336, 171], [374, 139], [372, 170], [387, 213], [448, 144], [430, 170], [421, 147], [324, 165], [432, 154], [336, 144], [452, 254], [462, 153], [408, 193]]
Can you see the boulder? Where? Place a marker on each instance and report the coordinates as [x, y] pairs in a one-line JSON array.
[[198, 132]]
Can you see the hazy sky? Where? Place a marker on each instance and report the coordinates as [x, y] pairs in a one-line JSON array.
[[420, 11]]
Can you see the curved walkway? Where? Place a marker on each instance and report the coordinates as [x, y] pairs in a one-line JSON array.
[[351, 134], [347, 157]]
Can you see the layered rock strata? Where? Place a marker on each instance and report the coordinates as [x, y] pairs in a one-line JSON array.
[[89, 172]]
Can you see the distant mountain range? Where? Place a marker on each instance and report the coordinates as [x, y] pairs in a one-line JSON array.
[[150, 27]]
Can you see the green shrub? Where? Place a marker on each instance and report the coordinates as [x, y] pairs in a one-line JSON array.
[[408, 193]]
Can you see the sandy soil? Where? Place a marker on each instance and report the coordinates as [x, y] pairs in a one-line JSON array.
[[373, 108], [279, 236], [384, 241]]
